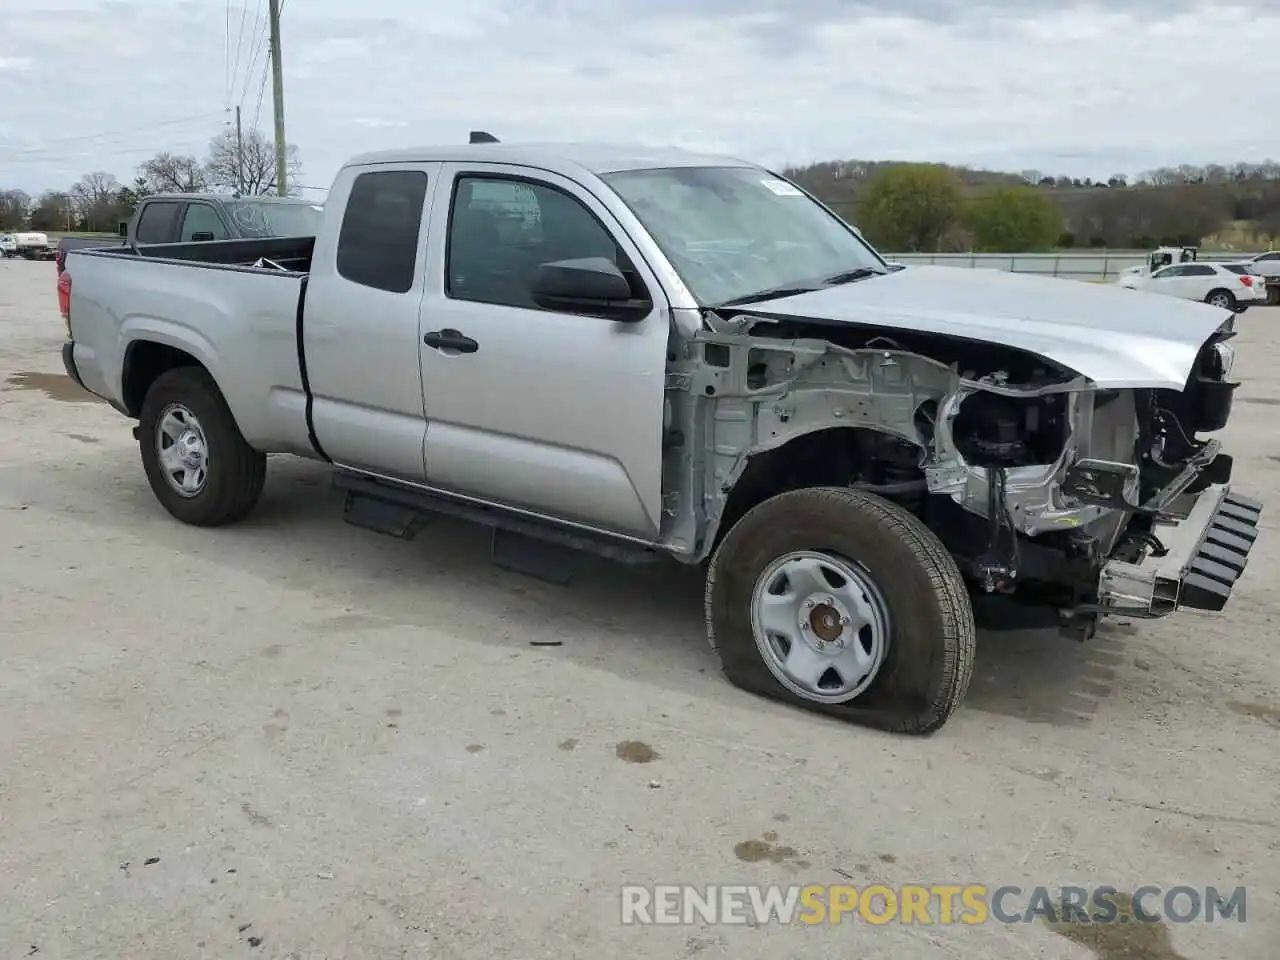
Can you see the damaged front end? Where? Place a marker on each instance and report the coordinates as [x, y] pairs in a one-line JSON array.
[[1045, 488]]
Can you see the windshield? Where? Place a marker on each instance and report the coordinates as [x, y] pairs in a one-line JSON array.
[[273, 218], [734, 233]]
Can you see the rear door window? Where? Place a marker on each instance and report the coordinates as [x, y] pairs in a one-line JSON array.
[[201, 222], [158, 223], [378, 240]]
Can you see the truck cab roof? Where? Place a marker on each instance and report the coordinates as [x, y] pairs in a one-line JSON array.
[[596, 158]]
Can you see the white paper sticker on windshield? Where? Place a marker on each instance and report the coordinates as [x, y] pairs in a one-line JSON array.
[[781, 188]]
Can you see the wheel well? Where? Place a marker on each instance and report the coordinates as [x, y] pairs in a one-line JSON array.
[[1219, 290], [144, 361], [832, 457]]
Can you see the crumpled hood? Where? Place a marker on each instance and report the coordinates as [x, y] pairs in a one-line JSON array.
[[1115, 337]]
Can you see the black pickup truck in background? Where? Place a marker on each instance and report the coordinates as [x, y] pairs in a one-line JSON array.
[[196, 217], [192, 217]]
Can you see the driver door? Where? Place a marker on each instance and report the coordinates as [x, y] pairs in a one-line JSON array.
[[1166, 280], [550, 412]]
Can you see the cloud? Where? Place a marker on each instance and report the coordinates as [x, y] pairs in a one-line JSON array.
[[1020, 84]]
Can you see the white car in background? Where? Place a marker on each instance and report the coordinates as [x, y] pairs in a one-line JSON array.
[[1231, 286], [1267, 266]]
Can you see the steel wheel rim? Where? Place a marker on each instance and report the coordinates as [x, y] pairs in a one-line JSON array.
[[182, 450], [1220, 300], [821, 625]]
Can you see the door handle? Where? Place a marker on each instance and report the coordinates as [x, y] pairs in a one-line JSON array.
[[450, 339]]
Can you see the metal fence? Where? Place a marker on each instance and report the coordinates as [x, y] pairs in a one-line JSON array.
[[1097, 267]]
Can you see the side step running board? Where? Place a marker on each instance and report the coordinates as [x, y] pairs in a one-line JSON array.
[[524, 545]]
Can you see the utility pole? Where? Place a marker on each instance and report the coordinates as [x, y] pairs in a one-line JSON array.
[[239, 156], [277, 91]]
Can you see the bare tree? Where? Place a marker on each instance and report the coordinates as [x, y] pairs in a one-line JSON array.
[[174, 173], [94, 198], [249, 169]]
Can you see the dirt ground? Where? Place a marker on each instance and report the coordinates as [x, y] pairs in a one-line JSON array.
[[297, 739]]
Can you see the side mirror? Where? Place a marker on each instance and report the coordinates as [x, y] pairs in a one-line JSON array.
[[591, 285]]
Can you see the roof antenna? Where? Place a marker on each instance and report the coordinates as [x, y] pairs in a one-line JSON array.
[[480, 136]]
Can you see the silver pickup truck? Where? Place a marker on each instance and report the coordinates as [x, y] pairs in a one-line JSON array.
[[644, 355]]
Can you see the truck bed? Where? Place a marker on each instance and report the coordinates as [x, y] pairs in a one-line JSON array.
[[290, 255], [241, 321]]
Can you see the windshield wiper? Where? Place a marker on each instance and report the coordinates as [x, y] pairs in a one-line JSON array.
[[770, 294], [849, 276], [791, 290]]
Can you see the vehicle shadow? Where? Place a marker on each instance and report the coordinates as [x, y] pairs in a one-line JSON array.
[[645, 623]]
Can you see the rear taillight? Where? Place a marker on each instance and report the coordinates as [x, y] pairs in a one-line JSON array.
[[1247, 281], [64, 299]]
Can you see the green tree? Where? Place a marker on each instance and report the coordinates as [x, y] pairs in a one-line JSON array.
[[1270, 225], [15, 206], [127, 198], [53, 211], [910, 207], [1015, 220]]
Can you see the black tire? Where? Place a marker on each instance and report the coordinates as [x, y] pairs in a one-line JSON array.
[[236, 472], [1230, 298], [1273, 294], [932, 636]]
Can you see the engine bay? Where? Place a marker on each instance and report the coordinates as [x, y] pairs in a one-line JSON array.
[[981, 442]]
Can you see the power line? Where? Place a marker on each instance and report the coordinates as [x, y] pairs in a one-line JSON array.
[[249, 76], [262, 89], [235, 70], [226, 57], [55, 145], [66, 158], [258, 45]]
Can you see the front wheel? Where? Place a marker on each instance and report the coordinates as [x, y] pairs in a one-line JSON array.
[[844, 603], [198, 464], [1223, 299]]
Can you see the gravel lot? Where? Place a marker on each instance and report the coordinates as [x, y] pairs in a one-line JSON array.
[[294, 738]]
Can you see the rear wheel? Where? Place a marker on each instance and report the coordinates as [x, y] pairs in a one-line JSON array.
[[844, 603], [198, 464], [1224, 299]]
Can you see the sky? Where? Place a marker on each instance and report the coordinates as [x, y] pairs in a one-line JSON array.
[[1057, 86]]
